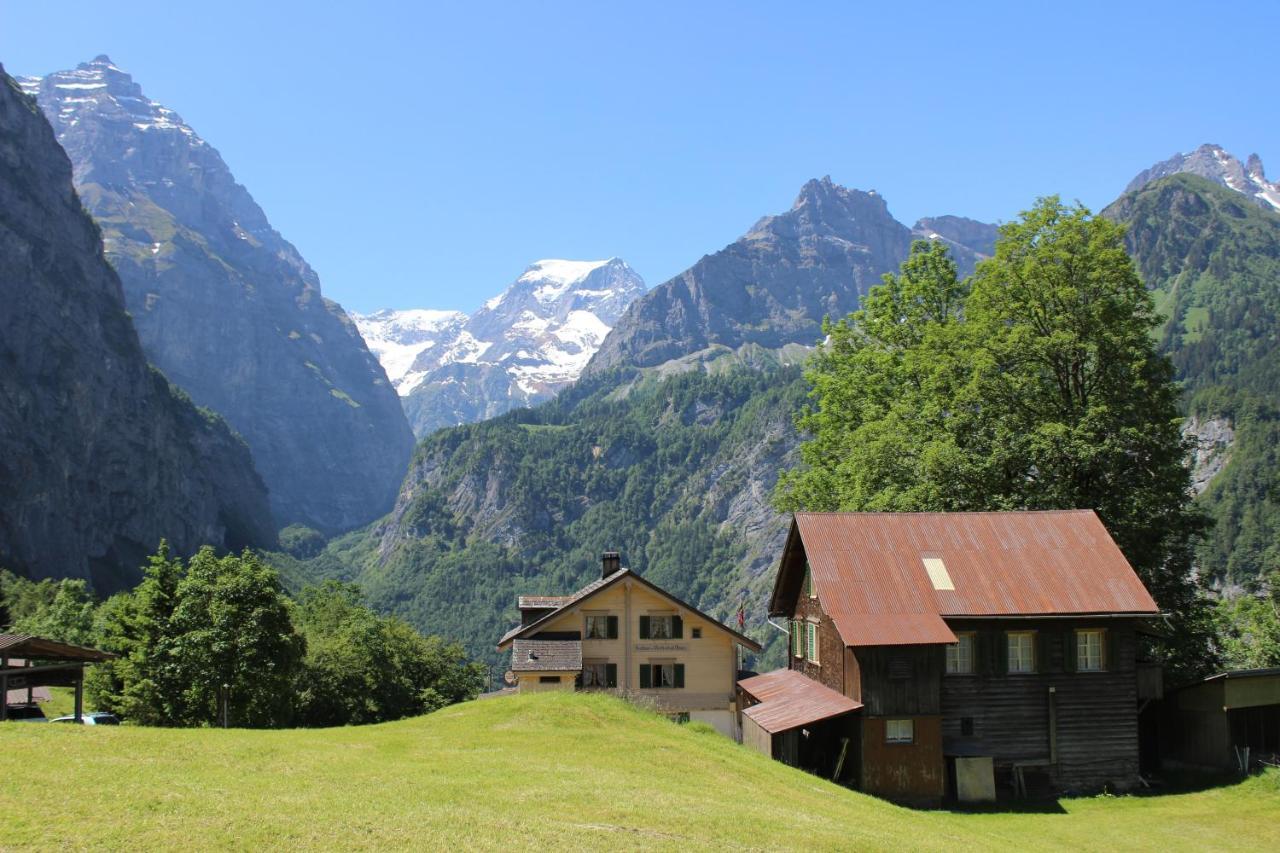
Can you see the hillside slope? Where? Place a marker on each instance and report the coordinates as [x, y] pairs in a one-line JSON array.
[[549, 771], [1213, 260], [99, 457], [228, 308]]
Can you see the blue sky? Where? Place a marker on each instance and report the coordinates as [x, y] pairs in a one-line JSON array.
[[421, 156]]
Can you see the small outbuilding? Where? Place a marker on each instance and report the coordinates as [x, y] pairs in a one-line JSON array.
[[1227, 721], [44, 663]]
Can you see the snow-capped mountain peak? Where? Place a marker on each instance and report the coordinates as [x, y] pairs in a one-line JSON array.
[[519, 348], [1218, 165]]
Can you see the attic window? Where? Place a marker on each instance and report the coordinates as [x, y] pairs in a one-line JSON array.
[[938, 573]]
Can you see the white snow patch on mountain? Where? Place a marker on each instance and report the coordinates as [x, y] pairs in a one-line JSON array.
[[1216, 164], [539, 333]]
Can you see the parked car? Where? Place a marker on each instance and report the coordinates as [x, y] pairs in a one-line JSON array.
[[26, 712], [93, 718]]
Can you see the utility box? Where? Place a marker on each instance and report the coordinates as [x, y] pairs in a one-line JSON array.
[[975, 780]]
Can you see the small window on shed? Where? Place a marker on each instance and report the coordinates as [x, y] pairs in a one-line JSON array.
[[899, 731], [548, 679]]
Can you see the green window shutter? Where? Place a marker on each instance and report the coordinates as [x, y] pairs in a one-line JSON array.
[[679, 675], [613, 627], [611, 674], [797, 642], [644, 627], [677, 628], [1071, 651], [646, 676]]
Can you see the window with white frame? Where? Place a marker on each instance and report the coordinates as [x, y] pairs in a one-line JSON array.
[[899, 731], [960, 655], [1089, 648], [660, 627], [811, 641], [1022, 651]]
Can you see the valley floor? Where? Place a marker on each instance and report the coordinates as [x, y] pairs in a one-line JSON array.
[[548, 770]]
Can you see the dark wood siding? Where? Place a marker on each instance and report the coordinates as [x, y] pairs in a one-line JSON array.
[[913, 772], [900, 680], [1095, 713]]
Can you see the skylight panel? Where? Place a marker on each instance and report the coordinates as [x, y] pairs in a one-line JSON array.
[[938, 574]]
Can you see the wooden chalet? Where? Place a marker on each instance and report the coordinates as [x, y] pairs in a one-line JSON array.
[[624, 634], [968, 649]]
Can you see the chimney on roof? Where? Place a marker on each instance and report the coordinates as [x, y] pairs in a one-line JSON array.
[[610, 564]]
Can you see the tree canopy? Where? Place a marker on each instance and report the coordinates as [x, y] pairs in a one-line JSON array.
[[1036, 384]]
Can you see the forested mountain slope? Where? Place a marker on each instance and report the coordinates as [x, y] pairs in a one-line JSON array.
[[667, 450], [1212, 256], [99, 457]]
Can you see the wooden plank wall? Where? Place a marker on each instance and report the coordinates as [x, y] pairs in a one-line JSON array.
[[1096, 712]]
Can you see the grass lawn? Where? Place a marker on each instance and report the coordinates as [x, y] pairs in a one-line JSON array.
[[547, 770]]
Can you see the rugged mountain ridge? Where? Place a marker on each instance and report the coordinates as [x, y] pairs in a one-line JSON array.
[[771, 287], [670, 457], [1213, 261], [520, 348], [1216, 164], [226, 307], [99, 457]]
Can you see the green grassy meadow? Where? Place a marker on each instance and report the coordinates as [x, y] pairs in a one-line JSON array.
[[546, 770]]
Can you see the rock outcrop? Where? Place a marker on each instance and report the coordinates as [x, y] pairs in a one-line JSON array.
[[226, 307], [99, 456]]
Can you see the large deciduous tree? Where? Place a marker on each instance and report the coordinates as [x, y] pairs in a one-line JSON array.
[[1034, 385]]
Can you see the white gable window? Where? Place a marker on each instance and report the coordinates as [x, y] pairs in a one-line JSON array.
[[960, 655], [1089, 651], [1022, 651]]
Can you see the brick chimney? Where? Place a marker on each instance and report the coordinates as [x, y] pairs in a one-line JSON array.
[[610, 563]]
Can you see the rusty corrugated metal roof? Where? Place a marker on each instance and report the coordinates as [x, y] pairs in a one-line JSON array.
[[870, 576], [789, 699]]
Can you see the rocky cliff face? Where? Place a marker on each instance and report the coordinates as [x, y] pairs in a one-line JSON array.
[[521, 348], [1216, 164], [970, 241], [226, 307], [772, 287], [99, 457]]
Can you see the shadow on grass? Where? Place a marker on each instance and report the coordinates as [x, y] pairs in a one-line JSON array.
[[1165, 783]]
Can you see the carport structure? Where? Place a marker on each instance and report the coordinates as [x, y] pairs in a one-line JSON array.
[[45, 663]]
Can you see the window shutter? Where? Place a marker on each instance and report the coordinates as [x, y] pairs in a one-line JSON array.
[[613, 627], [1002, 653], [611, 674], [1110, 651], [644, 627], [646, 676], [1043, 640], [677, 628], [679, 675], [1071, 652]]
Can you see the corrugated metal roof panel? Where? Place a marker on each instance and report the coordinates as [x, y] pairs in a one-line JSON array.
[[43, 649], [870, 577], [789, 699]]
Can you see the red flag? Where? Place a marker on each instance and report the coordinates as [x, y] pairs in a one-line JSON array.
[[742, 619]]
